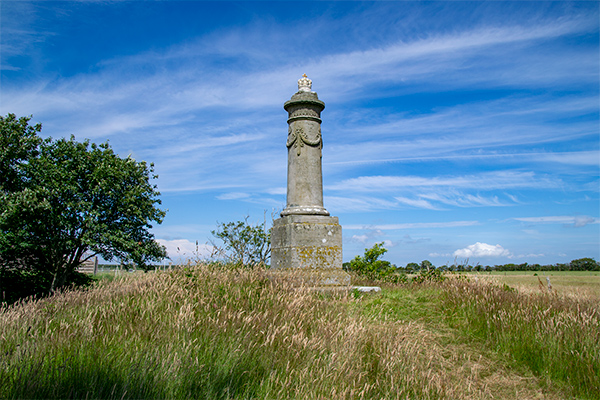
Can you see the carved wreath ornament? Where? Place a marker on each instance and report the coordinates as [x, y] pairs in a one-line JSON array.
[[298, 138]]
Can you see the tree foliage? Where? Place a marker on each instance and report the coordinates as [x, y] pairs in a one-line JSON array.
[[580, 264], [19, 142], [244, 244], [62, 201], [373, 268]]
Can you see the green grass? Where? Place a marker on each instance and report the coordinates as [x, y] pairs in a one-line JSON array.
[[555, 337], [403, 304], [566, 283], [215, 333]]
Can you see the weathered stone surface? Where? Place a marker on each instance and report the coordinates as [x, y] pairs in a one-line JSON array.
[[304, 143], [306, 242]]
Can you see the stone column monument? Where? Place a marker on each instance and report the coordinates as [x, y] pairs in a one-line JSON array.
[[306, 239]]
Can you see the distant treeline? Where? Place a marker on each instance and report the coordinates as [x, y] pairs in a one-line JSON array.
[[581, 264]]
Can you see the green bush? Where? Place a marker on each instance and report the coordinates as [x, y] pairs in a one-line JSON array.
[[372, 268]]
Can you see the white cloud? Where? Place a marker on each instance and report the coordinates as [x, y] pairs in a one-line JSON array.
[[368, 241], [483, 181], [574, 157], [490, 89], [576, 221], [528, 256], [233, 196], [369, 236], [414, 225], [360, 238], [359, 203], [417, 203], [459, 199], [482, 250], [584, 220], [422, 59], [277, 191], [591, 158]]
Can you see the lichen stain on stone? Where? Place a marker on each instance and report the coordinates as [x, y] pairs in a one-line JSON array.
[[318, 257]]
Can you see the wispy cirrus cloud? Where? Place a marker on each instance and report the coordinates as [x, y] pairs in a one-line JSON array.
[[483, 181], [458, 199], [417, 203], [422, 59], [589, 158], [412, 225], [432, 108], [358, 203], [251, 85], [576, 221]]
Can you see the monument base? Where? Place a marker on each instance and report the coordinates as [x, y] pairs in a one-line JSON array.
[[309, 247]]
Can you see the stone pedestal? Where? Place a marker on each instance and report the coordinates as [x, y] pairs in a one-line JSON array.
[[306, 242], [310, 247]]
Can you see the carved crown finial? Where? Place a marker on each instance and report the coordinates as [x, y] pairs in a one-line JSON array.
[[304, 84]]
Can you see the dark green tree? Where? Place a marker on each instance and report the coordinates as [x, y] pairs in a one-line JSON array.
[[67, 201], [19, 142], [412, 266], [426, 264], [584, 264]]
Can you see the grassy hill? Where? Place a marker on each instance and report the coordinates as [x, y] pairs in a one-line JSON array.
[[216, 333]]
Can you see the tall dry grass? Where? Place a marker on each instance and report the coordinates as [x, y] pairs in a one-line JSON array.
[[207, 333], [555, 336], [214, 333]]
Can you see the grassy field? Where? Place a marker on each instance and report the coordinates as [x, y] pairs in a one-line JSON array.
[[209, 333], [568, 283]]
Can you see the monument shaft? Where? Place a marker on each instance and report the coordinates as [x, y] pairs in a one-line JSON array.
[[305, 238], [304, 143]]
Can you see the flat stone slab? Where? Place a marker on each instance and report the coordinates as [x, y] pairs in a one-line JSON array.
[[312, 277], [361, 289], [367, 289]]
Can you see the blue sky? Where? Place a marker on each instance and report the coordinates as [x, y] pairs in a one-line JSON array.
[[452, 130]]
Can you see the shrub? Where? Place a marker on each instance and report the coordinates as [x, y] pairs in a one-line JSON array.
[[243, 244], [372, 268]]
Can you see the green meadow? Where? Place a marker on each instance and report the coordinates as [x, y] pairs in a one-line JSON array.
[[209, 332]]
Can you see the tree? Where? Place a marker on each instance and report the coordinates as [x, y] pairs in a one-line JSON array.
[[412, 266], [68, 201], [18, 143], [426, 264], [371, 267], [244, 244], [584, 264]]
